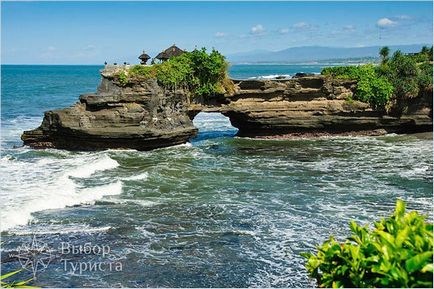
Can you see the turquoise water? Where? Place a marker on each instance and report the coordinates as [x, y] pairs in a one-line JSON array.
[[216, 212]]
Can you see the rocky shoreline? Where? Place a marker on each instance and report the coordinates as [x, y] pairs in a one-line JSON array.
[[319, 134], [143, 115]]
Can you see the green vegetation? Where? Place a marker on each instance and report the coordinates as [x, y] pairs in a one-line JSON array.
[[122, 78], [371, 88], [384, 52], [392, 83], [397, 252], [201, 73], [14, 284]]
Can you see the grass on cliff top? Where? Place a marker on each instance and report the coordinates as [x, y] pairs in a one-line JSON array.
[[202, 73], [393, 83]]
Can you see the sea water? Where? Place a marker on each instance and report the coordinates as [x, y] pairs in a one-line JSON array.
[[218, 211]]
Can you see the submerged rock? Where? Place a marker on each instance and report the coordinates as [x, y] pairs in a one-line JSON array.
[[142, 115]]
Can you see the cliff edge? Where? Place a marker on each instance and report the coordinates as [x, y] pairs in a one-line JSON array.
[[143, 115]]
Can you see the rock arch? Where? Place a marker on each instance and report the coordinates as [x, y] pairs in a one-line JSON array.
[[145, 116]]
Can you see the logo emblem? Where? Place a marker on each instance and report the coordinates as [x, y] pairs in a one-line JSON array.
[[34, 257]]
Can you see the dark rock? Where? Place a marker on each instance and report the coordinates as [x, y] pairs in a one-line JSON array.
[[312, 105], [302, 74], [142, 115]]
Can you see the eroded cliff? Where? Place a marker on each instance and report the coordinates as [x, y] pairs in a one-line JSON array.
[[312, 104], [142, 115]]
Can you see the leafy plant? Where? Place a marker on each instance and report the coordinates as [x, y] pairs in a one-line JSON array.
[[175, 72], [403, 72], [425, 78], [384, 52], [371, 87], [393, 83], [142, 71], [202, 73], [122, 78], [397, 252], [14, 284]]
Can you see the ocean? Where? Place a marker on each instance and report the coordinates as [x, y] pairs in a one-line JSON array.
[[219, 211]]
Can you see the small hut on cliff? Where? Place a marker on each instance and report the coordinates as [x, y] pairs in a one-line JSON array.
[[144, 58], [170, 52]]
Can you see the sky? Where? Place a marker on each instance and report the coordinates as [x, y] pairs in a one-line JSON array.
[[94, 32]]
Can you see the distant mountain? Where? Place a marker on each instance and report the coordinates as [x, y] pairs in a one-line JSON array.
[[315, 53]]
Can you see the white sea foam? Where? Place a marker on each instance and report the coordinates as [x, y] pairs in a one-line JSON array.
[[271, 76], [142, 176], [143, 203], [58, 229], [49, 183]]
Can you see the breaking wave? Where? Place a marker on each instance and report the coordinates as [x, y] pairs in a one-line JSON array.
[[50, 183]]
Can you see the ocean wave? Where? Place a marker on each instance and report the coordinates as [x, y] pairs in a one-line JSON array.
[[142, 176], [60, 229], [272, 76], [48, 183]]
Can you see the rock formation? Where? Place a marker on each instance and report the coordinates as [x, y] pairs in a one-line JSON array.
[[142, 115], [312, 104]]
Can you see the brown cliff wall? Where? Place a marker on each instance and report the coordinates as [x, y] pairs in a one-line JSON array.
[[310, 104], [143, 115]]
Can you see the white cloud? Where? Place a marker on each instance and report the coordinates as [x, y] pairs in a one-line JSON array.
[[386, 23], [349, 28], [302, 26], [404, 17], [257, 29], [220, 34], [49, 52], [283, 30], [90, 47]]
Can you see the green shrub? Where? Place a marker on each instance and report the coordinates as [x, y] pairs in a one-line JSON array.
[[371, 87], [142, 71], [122, 78], [209, 71], [397, 252], [202, 73], [403, 72], [177, 72], [375, 90], [425, 78], [342, 72], [393, 83]]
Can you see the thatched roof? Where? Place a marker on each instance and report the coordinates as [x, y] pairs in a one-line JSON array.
[[170, 52], [144, 56]]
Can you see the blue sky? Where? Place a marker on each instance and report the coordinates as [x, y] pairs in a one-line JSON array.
[[94, 32]]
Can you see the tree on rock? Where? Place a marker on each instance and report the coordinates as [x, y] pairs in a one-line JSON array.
[[384, 52]]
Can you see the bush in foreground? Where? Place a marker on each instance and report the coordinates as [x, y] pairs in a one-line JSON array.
[[397, 252], [14, 284]]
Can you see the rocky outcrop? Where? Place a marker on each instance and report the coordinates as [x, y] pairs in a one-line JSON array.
[[142, 115], [311, 104]]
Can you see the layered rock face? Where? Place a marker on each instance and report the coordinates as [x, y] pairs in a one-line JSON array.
[[145, 116], [311, 104], [140, 116]]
